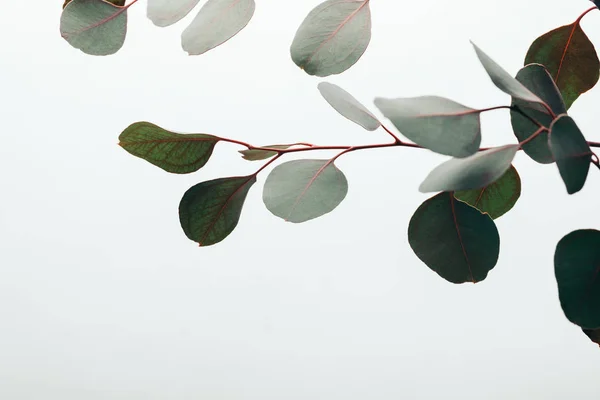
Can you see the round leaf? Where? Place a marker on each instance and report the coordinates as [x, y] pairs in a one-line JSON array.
[[216, 22], [166, 12], [577, 269], [454, 239], [332, 37], [174, 152], [344, 103], [95, 27], [497, 198], [210, 211], [437, 123], [473, 172], [301, 190]]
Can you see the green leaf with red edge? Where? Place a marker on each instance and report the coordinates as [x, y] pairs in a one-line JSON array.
[[570, 57], [210, 211], [301, 190], [577, 270], [457, 241], [571, 152], [174, 152], [257, 154], [537, 79], [95, 27], [593, 334], [497, 198]]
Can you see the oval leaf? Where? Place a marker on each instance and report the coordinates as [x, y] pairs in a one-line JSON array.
[[120, 3], [536, 78], [437, 123], [577, 269], [571, 152], [571, 59], [257, 155], [332, 37], [301, 190], [593, 334], [344, 103], [216, 22], [503, 80], [497, 198], [166, 12], [454, 239], [473, 172], [95, 27], [210, 211], [174, 152]]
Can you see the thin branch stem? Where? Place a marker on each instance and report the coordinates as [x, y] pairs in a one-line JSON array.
[[578, 20], [392, 134]]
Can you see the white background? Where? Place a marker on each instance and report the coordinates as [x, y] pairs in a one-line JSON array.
[[103, 297]]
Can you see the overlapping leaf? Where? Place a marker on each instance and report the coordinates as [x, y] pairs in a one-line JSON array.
[[497, 198], [577, 269], [344, 103], [571, 152], [473, 172], [437, 123], [536, 78], [166, 12], [257, 154], [210, 211], [95, 27], [570, 57], [174, 152], [457, 241], [301, 190], [332, 37]]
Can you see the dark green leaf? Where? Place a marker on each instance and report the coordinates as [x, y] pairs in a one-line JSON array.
[[95, 27], [437, 123], [257, 155], [537, 79], [344, 103], [473, 172], [301, 190], [593, 334], [571, 59], [333, 37], [577, 269], [174, 152], [454, 239], [497, 198], [571, 152], [210, 211]]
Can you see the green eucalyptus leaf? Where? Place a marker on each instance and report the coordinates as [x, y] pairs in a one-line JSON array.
[[210, 211], [119, 3], [536, 78], [344, 103], [332, 37], [473, 172], [437, 123], [577, 269], [95, 27], [174, 152], [301, 190], [497, 198], [457, 241], [216, 22], [570, 57], [593, 334], [571, 152], [167, 12], [257, 155]]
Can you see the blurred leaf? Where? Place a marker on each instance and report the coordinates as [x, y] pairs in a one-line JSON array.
[[593, 334], [503, 80], [166, 12], [571, 59], [344, 103], [536, 78], [332, 37], [437, 123], [497, 198], [454, 239], [95, 27], [571, 152], [301, 190], [119, 3], [210, 211], [257, 155], [473, 172], [174, 152], [577, 269], [216, 22]]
